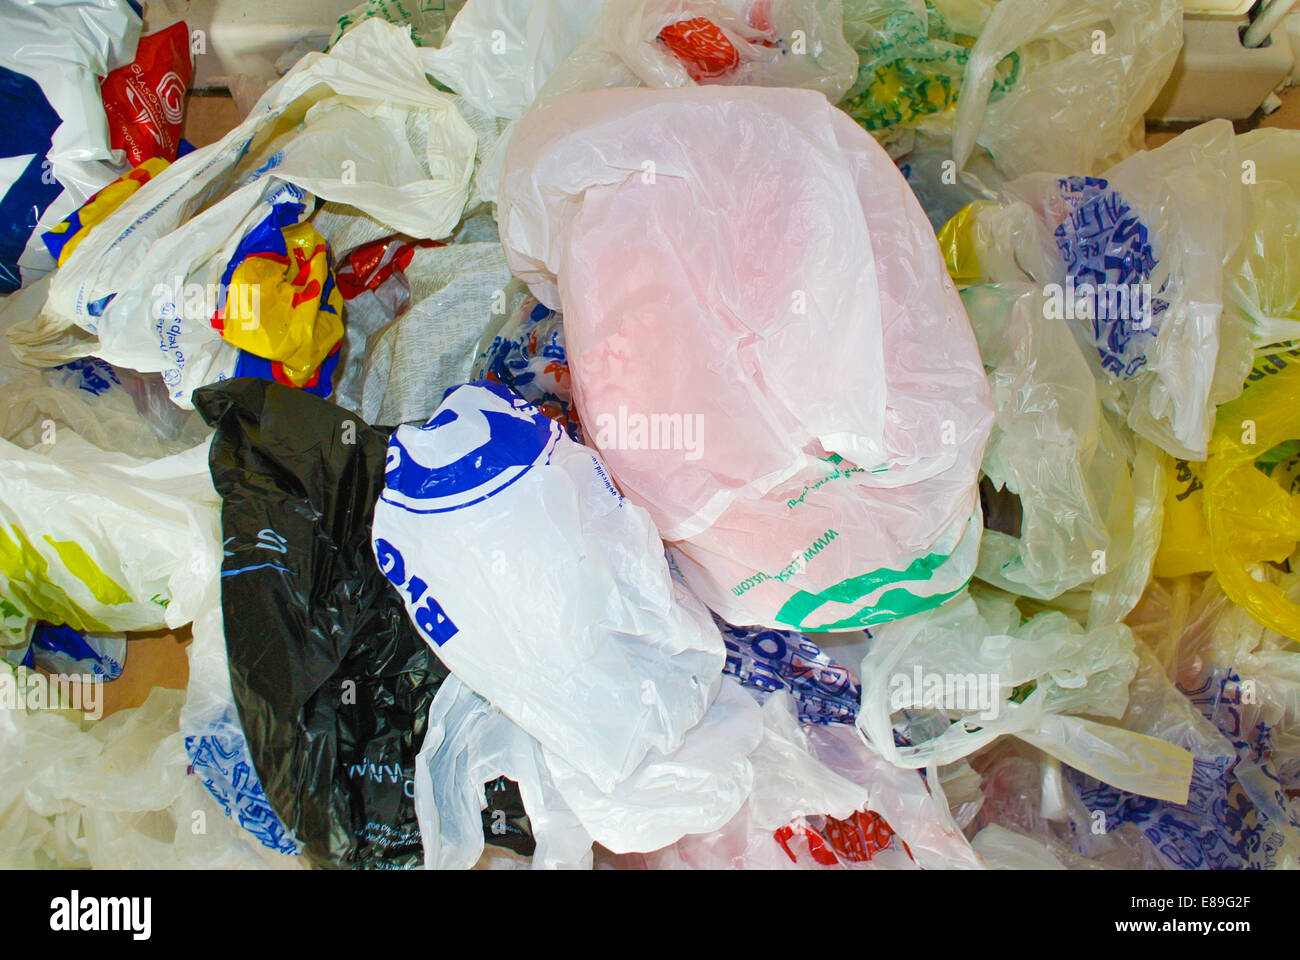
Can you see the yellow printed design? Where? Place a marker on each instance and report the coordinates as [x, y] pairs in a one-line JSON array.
[[64, 236], [28, 586]]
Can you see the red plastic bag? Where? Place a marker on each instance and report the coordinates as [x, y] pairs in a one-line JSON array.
[[144, 100]]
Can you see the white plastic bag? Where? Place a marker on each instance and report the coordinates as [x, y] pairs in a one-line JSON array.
[[1135, 261], [99, 541], [978, 665], [1089, 494], [776, 366], [1091, 68], [540, 587], [360, 125], [679, 43], [498, 53]]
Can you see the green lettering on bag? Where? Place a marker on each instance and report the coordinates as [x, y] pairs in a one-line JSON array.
[[800, 605]]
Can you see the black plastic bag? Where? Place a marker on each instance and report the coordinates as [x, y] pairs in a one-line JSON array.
[[332, 681]]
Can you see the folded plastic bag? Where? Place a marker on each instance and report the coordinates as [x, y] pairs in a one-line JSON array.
[[335, 127], [332, 682], [1240, 509], [816, 490], [57, 152], [1087, 72], [1087, 494], [1117, 256], [611, 659]]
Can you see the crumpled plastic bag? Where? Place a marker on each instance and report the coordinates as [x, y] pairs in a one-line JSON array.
[[678, 43], [1240, 508], [332, 682], [497, 54], [112, 795], [1087, 72], [540, 586], [428, 21], [360, 125], [697, 787], [101, 541], [822, 799], [971, 671], [820, 475], [1087, 495], [1135, 261], [1218, 683], [57, 151]]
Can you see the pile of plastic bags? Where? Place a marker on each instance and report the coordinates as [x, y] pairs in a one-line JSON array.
[[781, 434]]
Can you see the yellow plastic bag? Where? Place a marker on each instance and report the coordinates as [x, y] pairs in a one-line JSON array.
[[287, 308], [1228, 515]]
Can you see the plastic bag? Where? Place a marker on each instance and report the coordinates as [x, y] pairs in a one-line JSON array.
[[821, 476], [1119, 258], [1088, 71], [498, 53], [415, 351], [1240, 509], [58, 560], [113, 795], [1086, 494], [610, 659], [145, 100], [57, 153], [679, 43], [332, 683], [1231, 705], [468, 742], [144, 282], [977, 664], [428, 22]]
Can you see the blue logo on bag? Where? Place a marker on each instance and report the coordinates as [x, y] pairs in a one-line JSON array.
[[481, 440]]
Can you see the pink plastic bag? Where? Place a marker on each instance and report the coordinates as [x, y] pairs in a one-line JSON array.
[[764, 343]]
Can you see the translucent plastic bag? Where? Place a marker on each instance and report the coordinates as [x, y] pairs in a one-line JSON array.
[[112, 795], [822, 474], [540, 587], [339, 127], [679, 43], [1228, 514], [1135, 261], [1088, 71], [1088, 495], [979, 665]]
